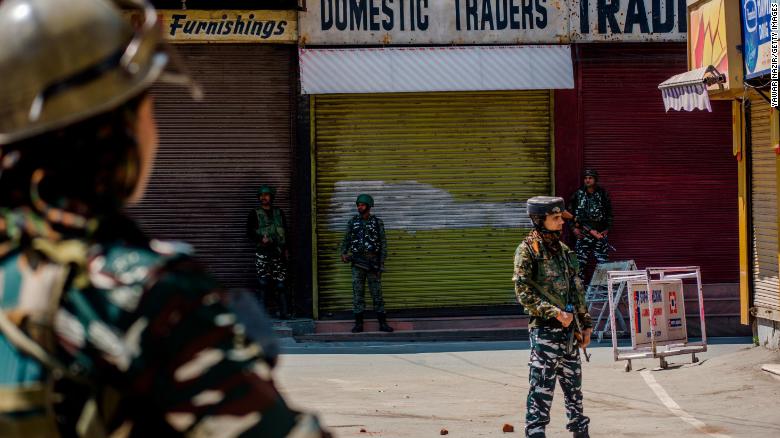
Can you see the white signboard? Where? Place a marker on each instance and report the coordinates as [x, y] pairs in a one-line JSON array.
[[433, 21], [629, 20], [385, 22], [668, 319]]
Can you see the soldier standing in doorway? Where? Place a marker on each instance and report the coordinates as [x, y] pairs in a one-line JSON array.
[[103, 330], [365, 246], [547, 285], [592, 212], [267, 228]]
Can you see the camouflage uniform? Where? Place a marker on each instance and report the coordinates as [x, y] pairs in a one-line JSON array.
[[595, 211], [102, 330], [270, 262], [366, 243], [159, 342], [555, 271]]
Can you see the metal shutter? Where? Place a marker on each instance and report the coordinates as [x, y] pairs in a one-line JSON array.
[[764, 208], [214, 154], [450, 173], [671, 176]]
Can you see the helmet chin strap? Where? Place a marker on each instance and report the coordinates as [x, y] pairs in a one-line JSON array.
[[539, 226], [547, 232]]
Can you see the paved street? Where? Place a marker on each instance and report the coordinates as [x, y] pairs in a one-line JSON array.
[[473, 389]]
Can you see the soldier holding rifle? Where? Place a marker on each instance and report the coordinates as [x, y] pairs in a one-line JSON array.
[[547, 285], [592, 212], [365, 246]]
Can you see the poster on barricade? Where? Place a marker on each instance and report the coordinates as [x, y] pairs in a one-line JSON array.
[[668, 319]]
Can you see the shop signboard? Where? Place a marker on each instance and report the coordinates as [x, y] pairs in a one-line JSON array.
[[757, 36]]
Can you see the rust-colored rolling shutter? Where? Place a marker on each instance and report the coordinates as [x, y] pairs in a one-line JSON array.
[[671, 176], [214, 154]]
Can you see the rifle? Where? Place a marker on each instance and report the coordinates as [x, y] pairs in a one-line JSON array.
[[590, 231], [577, 329], [567, 308], [370, 264]]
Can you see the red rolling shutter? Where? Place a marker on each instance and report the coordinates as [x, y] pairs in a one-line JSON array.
[[671, 176]]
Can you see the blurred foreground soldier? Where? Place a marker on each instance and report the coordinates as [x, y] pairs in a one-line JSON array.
[[592, 212], [547, 285], [267, 227], [101, 329], [365, 246]]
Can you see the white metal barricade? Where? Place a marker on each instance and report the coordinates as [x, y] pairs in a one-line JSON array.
[[596, 296], [656, 343]]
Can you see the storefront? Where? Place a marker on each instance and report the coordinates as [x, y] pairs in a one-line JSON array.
[[763, 209], [659, 166], [450, 141], [719, 71], [762, 167], [215, 153]]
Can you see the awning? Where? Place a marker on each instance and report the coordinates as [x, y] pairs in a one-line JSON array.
[[420, 69], [688, 91]]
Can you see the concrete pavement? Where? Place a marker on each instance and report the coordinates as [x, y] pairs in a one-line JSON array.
[[473, 389]]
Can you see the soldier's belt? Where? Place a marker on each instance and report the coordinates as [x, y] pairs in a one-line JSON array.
[[366, 262]]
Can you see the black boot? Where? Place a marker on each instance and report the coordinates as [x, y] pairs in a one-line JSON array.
[[382, 317], [583, 434], [358, 328]]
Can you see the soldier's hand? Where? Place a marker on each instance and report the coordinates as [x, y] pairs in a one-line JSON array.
[[596, 234], [344, 258], [586, 337], [565, 318], [266, 239], [578, 233]]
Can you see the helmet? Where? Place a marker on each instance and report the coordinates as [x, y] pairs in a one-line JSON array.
[[266, 189], [539, 207], [544, 205], [64, 63], [592, 172], [365, 199]]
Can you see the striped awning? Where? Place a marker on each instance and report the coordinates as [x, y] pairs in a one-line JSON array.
[[688, 91], [422, 69]]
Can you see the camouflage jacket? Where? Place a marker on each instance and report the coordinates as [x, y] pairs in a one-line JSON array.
[[365, 237], [592, 209], [274, 226], [144, 331], [556, 273]]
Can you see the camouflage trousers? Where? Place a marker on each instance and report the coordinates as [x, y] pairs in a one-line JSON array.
[[272, 283], [590, 245], [359, 277], [550, 362], [270, 267]]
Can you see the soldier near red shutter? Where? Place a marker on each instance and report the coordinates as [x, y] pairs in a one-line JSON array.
[[592, 210]]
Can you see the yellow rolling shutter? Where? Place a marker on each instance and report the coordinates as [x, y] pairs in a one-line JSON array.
[[764, 204], [450, 173]]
